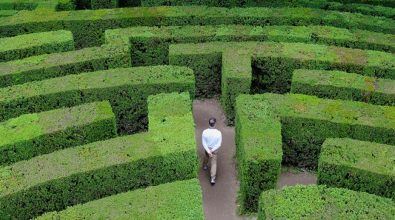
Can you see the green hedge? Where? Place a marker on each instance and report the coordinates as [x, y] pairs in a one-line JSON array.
[[60, 64], [88, 26], [33, 134], [342, 85], [260, 67], [150, 45], [6, 13], [126, 88], [97, 4], [18, 5], [358, 165], [176, 200], [320, 202], [14, 48], [259, 150], [80, 174], [306, 121]]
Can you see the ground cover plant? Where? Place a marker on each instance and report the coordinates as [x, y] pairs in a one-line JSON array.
[[96, 105]]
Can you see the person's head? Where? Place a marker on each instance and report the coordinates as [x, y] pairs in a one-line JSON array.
[[211, 122]]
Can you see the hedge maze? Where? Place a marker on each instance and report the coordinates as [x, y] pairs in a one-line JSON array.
[[96, 106]]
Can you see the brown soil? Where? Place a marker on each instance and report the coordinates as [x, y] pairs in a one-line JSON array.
[[219, 201]]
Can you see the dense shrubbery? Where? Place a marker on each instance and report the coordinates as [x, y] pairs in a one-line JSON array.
[[40, 133], [92, 171], [127, 90], [301, 123], [320, 202], [176, 200], [358, 165], [343, 85]]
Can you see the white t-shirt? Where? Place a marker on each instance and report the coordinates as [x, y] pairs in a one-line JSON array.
[[211, 139]]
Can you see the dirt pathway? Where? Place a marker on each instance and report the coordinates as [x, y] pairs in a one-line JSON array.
[[219, 201]]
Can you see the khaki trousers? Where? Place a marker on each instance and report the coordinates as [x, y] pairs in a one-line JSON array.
[[213, 162]]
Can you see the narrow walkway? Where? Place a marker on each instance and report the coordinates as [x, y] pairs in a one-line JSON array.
[[219, 201]]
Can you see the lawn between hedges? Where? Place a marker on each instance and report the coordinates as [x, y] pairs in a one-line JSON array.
[[274, 129], [166, 153]]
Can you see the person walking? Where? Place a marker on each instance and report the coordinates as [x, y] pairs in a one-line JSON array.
[[211, 141]]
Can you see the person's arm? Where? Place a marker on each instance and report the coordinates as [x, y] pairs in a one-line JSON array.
[[204, 143], [219, 142]]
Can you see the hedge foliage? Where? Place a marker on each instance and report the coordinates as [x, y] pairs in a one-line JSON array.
[[321, 202], [6, 13], [21, 46], [88, 26], [358, 165], [306, 121], [76, 175], [150, 45], [176, 200], [127, 90], [343, 85], [60, 64], [326, 4], [272, 65], [39, 133], [259, 150]]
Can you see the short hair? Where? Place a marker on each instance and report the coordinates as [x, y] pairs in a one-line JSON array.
[[212, 122]]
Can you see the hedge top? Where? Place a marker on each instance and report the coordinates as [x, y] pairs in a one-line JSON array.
[[345, 80], [166, 135], [320, 202], [34, 39], [100, 79], [369, 156], [176, 200], [29, 126], [338, 111]]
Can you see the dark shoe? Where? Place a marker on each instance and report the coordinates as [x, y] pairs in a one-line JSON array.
[[205, 167], [212, 180]]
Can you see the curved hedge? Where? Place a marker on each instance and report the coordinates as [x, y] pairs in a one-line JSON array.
[[60, 64], [176, 200], [258, 67], [21, 46], [150, 45], [40, 133], [343, 85], [321, 202], [358, 165], [88, 26], [80, 174], [272, 129], [126, 88]]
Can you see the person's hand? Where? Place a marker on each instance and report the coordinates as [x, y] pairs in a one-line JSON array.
[[210, 154]]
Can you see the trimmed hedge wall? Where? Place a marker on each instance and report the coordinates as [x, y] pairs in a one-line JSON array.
[[320, 202], [358, 165], [342, 85], [176, 200], [60, 64], [6, 13], [88, 26], [14, 48], [272, 65], [150, 45], [306, 121], [259, 150], [126, 88], [80, 174], [40, 133], [97, 4]]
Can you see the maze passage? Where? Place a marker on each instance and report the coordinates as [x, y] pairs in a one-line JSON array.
[[39, 133], [96, 108]]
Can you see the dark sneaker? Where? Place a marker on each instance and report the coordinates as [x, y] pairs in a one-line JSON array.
[[205, 167], [212, 180]]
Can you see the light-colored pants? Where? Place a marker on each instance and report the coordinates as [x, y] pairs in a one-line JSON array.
[[213, 162]]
